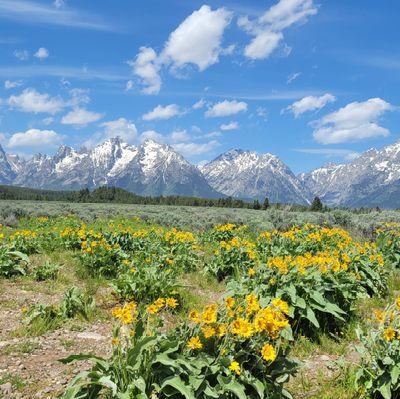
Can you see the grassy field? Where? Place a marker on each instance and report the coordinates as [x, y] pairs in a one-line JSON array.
[[191, 302], [203, 218]]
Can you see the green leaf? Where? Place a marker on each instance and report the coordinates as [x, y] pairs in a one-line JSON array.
[[317, 297], [259, 387], [394, 374], [135, 352], [385, 390], [81, 357], [227, 384], [177, 383], [106, 382], [310, 315], [301, 303]]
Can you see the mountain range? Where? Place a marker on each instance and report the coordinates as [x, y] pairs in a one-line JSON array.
[[372, 179]]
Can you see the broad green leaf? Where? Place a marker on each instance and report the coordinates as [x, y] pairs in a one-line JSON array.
[[227, 384], [394, 374], [310, 315], [177, 383], [385, 390]]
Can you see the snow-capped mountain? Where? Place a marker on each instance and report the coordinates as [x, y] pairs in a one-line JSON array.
[[9, 167], [149, 169], [372, 179], [246, 174]]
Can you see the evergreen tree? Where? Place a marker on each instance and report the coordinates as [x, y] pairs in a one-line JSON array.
[[316, 205], [266, 203]]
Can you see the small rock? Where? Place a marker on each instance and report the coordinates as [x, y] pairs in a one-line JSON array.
[[90, 335], [324, 358], [6, 388]]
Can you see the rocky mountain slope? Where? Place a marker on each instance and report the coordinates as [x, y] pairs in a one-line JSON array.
[[149, 169], [246, 174], [372, 179]]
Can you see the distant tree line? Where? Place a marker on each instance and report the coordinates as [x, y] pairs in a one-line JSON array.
[[107, 194]]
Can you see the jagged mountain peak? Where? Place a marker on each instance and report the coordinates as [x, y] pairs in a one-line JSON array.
[[248, 174], [149, 169], [372, 179]]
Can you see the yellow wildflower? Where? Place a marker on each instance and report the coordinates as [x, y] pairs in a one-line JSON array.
[[268, 353], [389, 334], [194, 343], [235, 367], [171, 303]]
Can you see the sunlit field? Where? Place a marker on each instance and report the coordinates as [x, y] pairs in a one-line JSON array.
[[157, 302]]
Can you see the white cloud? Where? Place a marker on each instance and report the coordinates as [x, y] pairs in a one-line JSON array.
[[230, 126], [292, 77], [36, 13], [197, 40], [161, 112], [146, 66], [354, 122], [262, 112], [226, 108], [348, 155], [190, 44], [48, 121], [32, 101], [152, 135], [129, 85], [78, 97], [190, 149], [179, 136], [267, 30], [199, 104], [80, 117], [309, 103], [35, 139], [59, 3], [22, 55], [11, 84], [42, 53], [196, 129], [122, 128]]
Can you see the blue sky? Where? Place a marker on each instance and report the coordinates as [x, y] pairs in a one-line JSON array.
[[312, 81]]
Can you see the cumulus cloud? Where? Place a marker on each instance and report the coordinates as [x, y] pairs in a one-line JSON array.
[[310, 103], [191, 149], [199, 104], [11, 84], [190, 44], [354, 122], [267, 30], [22, 55], [122, 128], [152, 135], [147, 67], [229, 126], [226, 108], [34, 139], [179, 136], [32, 101], [160, 112], [42, 53], [80, 117]]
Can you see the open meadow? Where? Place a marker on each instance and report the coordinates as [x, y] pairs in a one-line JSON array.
[[135, 301]]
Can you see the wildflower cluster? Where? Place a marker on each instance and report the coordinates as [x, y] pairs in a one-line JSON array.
[[378, 374]]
